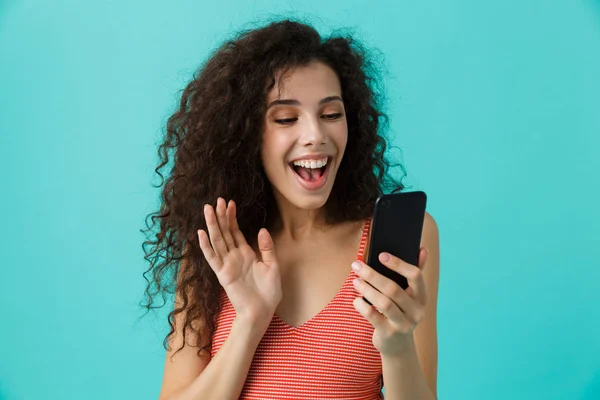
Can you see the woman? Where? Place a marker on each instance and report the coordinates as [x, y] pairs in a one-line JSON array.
[[277, 161]]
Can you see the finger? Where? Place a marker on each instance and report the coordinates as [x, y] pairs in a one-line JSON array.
[[383, 303], [224, 224], [214, 232], [386, 286], [238, 236], [412, 273], [213, 260], [370, 313], [266, 247], [423, 257]]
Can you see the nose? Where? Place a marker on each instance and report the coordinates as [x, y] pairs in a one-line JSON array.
[[313, 133]]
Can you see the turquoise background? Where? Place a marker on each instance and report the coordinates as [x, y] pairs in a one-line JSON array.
[[495, 105]]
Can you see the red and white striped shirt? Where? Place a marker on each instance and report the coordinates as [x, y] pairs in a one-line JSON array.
[[331, 356]]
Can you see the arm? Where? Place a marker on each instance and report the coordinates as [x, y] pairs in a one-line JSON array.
[[414, 376], [221, 378], [188, 376]]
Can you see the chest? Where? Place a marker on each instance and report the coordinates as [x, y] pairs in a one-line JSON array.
[[312, 275]]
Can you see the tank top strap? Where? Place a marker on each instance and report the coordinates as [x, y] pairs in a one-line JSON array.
[[363, 240]]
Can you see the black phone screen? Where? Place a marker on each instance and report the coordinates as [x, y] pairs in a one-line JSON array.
[[396, 229]]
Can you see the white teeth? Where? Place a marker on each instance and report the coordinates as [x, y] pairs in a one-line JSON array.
[[311, 164]]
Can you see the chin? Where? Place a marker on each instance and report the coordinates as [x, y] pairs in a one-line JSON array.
[[310, 201], [311, 204]]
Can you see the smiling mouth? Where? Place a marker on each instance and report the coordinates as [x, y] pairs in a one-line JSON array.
[[311, 174]]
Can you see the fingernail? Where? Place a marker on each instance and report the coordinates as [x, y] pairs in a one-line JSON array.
[[356, 266], [384, 257]]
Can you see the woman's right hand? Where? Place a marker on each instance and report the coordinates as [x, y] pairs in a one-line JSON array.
[[252, 285]]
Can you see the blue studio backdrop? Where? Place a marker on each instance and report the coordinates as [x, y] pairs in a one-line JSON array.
[[495, 106]]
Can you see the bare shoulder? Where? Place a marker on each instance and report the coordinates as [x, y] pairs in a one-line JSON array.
[[183, 366], [431, 241], [430, 226], [425, 334]]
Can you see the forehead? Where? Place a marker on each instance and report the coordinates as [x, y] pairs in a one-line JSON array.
[[309, 82]]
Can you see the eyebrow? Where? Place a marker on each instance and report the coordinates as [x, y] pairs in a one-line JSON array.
[[294, 102]]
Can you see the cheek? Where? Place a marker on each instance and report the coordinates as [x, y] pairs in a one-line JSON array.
[[341, 136], [274, 151]]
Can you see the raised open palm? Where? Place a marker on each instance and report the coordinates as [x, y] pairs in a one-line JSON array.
[[253, 285]]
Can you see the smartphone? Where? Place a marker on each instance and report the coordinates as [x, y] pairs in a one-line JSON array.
[[396, 229]]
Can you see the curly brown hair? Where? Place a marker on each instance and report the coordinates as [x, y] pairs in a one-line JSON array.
[[214, 140]]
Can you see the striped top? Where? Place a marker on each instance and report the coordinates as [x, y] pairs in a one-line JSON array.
[[331, 356]]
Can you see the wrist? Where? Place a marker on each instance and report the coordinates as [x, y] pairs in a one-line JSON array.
[[250, 329], [408, 350]]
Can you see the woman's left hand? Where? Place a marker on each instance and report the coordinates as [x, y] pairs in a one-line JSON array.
[[400, 311]]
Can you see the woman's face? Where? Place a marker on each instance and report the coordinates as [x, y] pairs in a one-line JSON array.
[[306, 122]]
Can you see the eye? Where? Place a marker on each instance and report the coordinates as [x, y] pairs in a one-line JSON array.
[[332, 116], [285, 121]]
